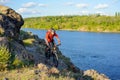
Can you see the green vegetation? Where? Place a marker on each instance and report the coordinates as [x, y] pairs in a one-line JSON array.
[[27, 37], [96, 23], [31, 73], [4, 57], [10, 60], [28, 42], [117, 14], [17, 63]]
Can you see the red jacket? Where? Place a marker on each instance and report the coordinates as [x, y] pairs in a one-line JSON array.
[[49, 36]]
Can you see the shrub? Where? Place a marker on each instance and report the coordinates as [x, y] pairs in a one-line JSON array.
[[4, 57], [17, 63]]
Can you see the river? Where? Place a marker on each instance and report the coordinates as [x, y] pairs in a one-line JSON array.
[[90, 50]]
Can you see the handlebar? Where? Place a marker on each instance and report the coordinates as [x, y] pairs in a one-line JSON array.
[[58, 44]]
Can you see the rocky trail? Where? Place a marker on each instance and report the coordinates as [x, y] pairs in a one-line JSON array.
[[39, 57]]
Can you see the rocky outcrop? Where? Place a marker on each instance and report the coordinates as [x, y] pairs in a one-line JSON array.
[[10, 22], [95, 75], [20, 51]]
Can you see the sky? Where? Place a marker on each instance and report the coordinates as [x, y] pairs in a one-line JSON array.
[[36, 8]]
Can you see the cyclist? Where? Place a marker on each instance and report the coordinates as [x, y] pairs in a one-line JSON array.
[[49, 40]]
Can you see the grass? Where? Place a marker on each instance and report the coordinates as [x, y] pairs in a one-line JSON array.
[[28, 42], [34, 73]]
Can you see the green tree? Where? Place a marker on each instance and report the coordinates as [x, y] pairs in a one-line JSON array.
[[4, 57], [87, 22]]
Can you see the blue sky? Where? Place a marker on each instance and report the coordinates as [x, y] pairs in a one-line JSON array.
[[33, 8]]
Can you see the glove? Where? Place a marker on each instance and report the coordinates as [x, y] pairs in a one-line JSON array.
[[59, 42]]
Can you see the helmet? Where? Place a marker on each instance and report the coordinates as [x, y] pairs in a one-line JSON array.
[[53, 30]]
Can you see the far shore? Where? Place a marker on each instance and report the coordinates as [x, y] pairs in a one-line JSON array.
[[82, 30]]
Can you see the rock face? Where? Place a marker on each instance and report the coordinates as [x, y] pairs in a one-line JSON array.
[[4, 41], [10, 22]]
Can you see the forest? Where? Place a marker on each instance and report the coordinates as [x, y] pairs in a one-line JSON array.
[[93, 23]]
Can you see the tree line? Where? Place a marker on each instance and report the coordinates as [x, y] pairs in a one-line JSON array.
[[95, 23]]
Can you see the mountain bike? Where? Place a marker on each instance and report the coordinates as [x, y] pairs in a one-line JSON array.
[[52, 55]]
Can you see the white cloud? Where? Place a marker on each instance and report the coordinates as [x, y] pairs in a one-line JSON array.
[[22, 10], [101, 6], [42, 5], [33, 4], [84, 12], [28, 11], [31, 8], [101, 13], [4, 1], [29, 4], [82, 5], [35, 11], [69, 4]]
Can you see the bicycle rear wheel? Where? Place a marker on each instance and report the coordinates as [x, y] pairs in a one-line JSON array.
[[55, 59]]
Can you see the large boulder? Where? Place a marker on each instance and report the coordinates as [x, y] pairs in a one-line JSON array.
[[10, 22]]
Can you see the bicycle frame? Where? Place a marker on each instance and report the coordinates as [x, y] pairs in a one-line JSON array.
[[53, 51]]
